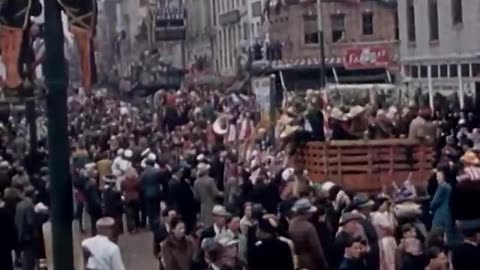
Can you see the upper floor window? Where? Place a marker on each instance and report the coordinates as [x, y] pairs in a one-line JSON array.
[[411, 21], [433, 19], [310, 31], [367, 23], [338, 27], [457, 12]]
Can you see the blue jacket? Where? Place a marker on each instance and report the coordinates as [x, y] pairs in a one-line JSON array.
[[440, 207]]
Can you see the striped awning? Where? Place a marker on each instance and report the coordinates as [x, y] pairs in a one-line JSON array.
[[312, 62], [306, 62]]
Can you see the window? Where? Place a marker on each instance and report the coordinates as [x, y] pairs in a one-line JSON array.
[[367, 23], [338, 27], [444, 71], [434, 71], [310, 32], [475, 69], [423, 71], [397, 30], [433, 19], [257, 9], [457, 12], [411, 21], [414, 71], [465, 69], [453, 70]]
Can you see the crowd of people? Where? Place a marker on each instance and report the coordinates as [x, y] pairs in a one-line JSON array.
[[200, 170]]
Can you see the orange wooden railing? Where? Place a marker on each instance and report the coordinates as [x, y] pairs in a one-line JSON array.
[[366, 165]]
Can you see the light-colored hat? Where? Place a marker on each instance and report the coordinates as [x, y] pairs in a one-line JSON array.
[[220, 126], [355, 111], [302, 206], [225, 240], [337, 114], [90, 166], [120, 152], [220, 211], [109, 179], [203, 167], [152, 157], [470, 158], [201, 157], [105, 222], [4, 164], [128, 153]]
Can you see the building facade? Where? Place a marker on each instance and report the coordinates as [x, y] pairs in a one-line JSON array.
[[200, 34], [231, 26], [360, 38], [440, 48]]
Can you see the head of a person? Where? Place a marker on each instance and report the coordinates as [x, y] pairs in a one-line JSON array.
[[105, 227], [169, 214], [437, 259], [350, 223], [177, 228], [229, 252], [267, 228], [29, 192], [303, 207], [233, 224], [409, 231], [220, 216], [354, 247], [247, 210]]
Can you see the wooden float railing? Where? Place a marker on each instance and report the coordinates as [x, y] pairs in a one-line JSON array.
[[366, 165]]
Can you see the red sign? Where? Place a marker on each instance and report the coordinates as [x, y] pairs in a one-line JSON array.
[[366, 57]]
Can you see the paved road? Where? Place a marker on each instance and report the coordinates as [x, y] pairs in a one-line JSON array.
[[137, 251]]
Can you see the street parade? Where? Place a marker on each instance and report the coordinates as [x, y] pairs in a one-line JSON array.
[[239, 135]]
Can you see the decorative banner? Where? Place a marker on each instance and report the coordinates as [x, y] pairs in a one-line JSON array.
[[367, 57], [262, 90]]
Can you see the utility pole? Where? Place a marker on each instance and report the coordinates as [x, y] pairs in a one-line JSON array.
[[56, 79], [321, 43]]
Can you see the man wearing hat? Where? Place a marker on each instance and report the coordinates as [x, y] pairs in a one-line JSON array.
[[350, 227], [206, 191], [269, 252], [220, 215], [100, 251], [113, 204], [466, 256], [305, 238], [151, 191]]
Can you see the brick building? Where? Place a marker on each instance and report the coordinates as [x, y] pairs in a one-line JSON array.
[[361, 40]]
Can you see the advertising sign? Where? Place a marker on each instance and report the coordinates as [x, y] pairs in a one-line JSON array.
[[366, 57], [262, 89]]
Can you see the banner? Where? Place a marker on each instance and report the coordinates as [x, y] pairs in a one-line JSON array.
[[262, 89]]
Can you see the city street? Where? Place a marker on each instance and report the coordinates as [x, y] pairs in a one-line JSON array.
[[137, 251]]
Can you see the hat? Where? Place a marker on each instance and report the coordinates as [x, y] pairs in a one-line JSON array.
[[265, 225], [90, 166], [226, 240], [220, 211], [355, 111], [327, 186], [120, 152], [350, 216], [470, 158], [152, 157], [128, 153], [220, 126], [302, 206], [203, 167], [337, 114], [362, 200], [287, 173], [105, 222], [4, 164], [201, 158]]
